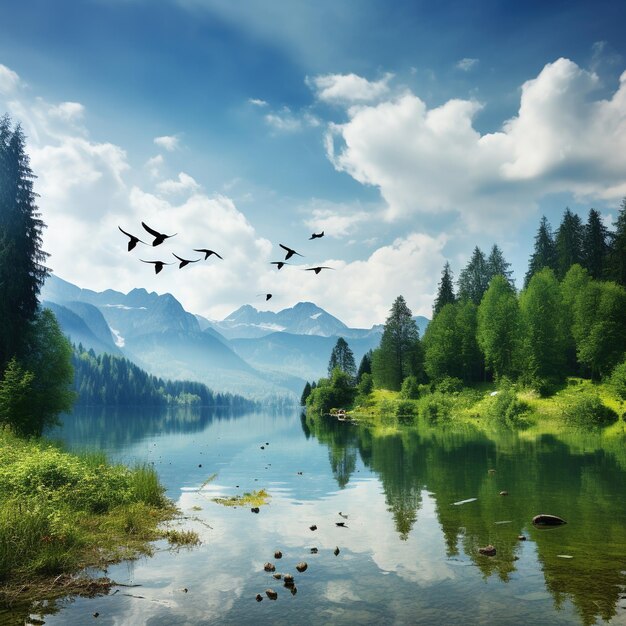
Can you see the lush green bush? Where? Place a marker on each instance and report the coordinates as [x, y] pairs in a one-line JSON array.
[[410, 389], [435, 407], [336, 393], [405, 411], [506, 409], [617, 380], [588, 411], [449, 384]]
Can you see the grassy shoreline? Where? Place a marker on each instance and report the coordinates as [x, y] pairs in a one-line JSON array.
[[61, 513], [487, 406]]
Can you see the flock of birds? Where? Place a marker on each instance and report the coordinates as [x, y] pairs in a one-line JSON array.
[[159, 238]]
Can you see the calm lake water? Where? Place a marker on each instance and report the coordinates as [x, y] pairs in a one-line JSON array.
[[408, 555]]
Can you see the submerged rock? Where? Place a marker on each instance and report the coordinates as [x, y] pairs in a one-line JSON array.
[[277, 576], [271, 594], [488, 550], [522, 537], [255, 509], [504, 493], [302, 566], [288, 579], [313, 550], [269, 567], [259, 597], [336, 551], [278, 554], [313, 527], [548, 520]]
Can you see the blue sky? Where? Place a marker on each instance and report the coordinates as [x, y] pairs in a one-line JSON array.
[[409, 131]]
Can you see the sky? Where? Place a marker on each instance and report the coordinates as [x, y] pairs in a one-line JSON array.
[[409, 132]]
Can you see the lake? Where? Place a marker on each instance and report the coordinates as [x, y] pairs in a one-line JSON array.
[[407, 553]]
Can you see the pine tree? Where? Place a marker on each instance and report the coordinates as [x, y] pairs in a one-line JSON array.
[[617, 255], [343, 358], [595, 247], [544, 254], [445, 293], [474, 278], [399, 353], [365, 367], [22, 270], [498, 266], [568, 243], [306, 392]]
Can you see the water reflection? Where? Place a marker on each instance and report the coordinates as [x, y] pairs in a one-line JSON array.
[[579, 477], [407, 555]]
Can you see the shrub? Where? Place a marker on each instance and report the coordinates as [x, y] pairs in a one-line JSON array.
[[587, 412], [410, 388], [506, 409], [449, 384], [435, 407], [617, 381], [405, 411]]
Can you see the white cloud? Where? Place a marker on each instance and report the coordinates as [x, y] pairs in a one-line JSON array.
[[345, 88], [257, 102], [68, 111], [434, 160], [288, 122], [335, 219], [410, 266], [184, 184], [154, 165], [168, 142], [9, 80], [466, 64]]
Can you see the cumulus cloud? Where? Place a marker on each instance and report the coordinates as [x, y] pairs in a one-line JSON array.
[[466, 64], [154, 165], [67, 111], [184, 184], [168, 142], [9, 80], [434, 160], [347, 88], [408, 266], [257, 102]]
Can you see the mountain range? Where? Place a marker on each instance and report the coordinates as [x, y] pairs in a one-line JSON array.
[[260, 354]]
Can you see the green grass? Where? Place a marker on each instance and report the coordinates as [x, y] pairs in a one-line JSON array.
[[60, 512], [254, 498]]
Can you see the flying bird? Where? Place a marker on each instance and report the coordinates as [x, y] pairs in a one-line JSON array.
[[267, 296], [316, 235], [279, 264], [133, 240], [159, 238], [318, 269], [290, 252], [158, 265], [184, 262], [208, 253]]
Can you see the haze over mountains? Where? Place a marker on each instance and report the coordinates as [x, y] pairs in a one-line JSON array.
[[259, 354]]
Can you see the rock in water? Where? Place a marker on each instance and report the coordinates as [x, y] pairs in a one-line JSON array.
[[301, 567], [521, 537], [268, 567], [271, 594], [336, 551], [313, 527], [504, 493], [255, 509], [259, 597], [288, 579], [548, 520], [313, 550], [278, 554], [488, 550]]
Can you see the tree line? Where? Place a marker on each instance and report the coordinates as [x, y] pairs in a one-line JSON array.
[[115, 381], [568, 320]]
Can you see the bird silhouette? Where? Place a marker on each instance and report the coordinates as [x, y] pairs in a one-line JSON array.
[[133, 240], [290, 252], [184, 262], [279, 264], [267, 296], [159, 238], [316, 235], [208, 253], [318, 269], [158, 265]]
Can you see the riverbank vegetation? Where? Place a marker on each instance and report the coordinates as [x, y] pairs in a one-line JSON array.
[[61, 512], [506, 357]]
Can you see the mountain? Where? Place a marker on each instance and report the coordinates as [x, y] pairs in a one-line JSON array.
[[155, 332], [256, 353]]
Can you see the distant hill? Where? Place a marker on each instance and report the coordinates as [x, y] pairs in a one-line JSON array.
[[260, 354]]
